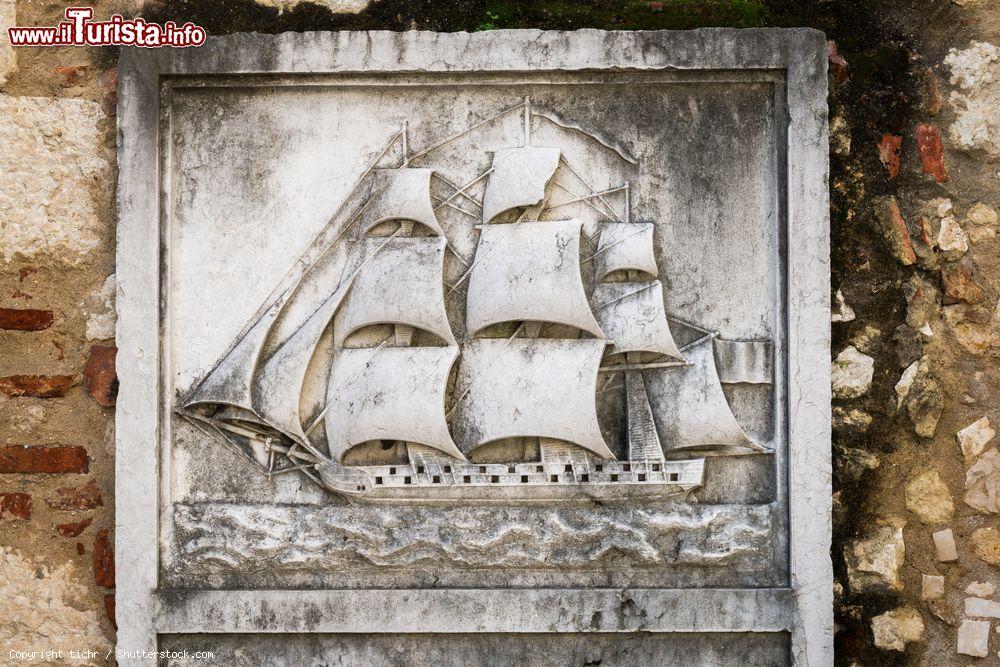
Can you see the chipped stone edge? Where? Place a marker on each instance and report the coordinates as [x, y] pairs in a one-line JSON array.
[[800, 53], [137, 334]]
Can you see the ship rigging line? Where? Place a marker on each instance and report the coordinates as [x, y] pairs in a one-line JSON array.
[[276, 293], [461, 190], [625, 296], [692, 325], [585, 201], [556, 120], [450, 204], [614, 214], [699, 341], [458, 135], [216, 433], [612, 245], [609, 191], [468, 272], [643, 366]]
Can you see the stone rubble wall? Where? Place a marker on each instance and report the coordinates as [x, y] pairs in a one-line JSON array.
[[916, 341], [915, 144]]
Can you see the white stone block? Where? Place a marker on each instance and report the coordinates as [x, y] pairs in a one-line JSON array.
[[982, 608], [944, 545], [931, 587], [974, 638], [50, 165]]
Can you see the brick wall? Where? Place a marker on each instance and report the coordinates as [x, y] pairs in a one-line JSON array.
[[57, 382]]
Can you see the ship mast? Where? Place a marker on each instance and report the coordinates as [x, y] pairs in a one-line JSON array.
[[631, 312], [527, 272]]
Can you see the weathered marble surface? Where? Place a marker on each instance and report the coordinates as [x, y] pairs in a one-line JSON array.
[[541, 650], [235, 545]]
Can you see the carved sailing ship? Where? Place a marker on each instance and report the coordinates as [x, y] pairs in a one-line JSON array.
[[373, 396]]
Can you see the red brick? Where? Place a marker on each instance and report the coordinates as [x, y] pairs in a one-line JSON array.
[[109, 608], [18, 505], [25, 319], [108, 84], [931, 152], [895, 231], [73, 529], [53, 460], [104, 559], [888, 153], [36, 386], [85, 497], [838, 66], [959, 283], [72, 75], [926, 232], [99, 375]]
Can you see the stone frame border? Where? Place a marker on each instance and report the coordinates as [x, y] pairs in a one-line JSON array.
[[805, 609]]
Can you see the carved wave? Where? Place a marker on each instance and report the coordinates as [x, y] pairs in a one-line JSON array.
[[298, 538]]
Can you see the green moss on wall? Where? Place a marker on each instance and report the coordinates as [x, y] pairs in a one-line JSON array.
[[624, 14]]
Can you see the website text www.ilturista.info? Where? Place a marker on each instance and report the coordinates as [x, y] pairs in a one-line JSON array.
[[79, 30]]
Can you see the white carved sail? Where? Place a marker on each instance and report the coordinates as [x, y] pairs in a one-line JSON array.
[[529, 387], [529, 271], [394, 393], [518, 179], [229, 382], [277, 386], [625, 246], [643, 440], [401, 194], [744, 361], [402, 284], [633, 318], [693, 410]]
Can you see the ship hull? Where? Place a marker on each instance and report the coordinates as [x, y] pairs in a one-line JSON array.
[[520, 483]]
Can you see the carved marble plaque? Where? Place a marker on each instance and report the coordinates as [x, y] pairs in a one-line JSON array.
[[466, 346]]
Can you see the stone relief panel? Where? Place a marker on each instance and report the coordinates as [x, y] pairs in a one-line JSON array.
[[457, 339], [501, 330]]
